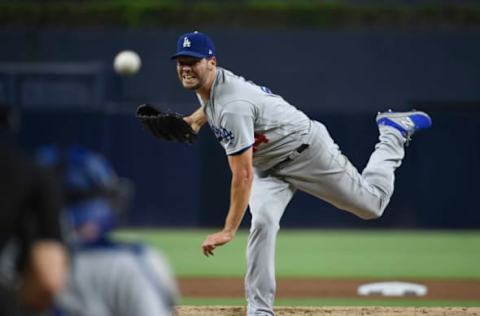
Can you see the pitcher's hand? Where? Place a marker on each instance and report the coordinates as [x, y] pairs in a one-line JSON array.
[[214, 240]]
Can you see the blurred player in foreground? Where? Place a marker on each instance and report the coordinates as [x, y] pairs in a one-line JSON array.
[[273, 150], [108, 278], [33, 261]]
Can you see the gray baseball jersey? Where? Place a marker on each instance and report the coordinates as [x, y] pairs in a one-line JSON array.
[[242, 114], [118, 281]]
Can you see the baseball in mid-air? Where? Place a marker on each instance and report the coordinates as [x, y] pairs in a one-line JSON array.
[[127, 63]]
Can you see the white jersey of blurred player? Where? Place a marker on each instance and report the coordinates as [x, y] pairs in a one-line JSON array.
[[118, 280], [287, 152]]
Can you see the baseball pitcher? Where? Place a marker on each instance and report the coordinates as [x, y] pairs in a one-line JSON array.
[[273, 150]]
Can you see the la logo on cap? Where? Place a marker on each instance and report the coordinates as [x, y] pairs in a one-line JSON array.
[[186, 42]]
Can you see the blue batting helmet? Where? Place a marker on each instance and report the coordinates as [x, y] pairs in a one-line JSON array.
[[89, 182]]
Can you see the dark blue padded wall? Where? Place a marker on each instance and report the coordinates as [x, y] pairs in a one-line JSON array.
[[340, 78], [317, 70]]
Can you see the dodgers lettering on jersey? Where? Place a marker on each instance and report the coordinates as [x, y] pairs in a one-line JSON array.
[[222, 134], [242, 114]]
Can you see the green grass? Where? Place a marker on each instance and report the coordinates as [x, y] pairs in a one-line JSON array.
[[329, 253]]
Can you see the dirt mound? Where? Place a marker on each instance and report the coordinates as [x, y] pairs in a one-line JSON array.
[[332, 311]]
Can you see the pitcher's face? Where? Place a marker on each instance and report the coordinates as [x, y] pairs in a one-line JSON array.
[[193, 72]]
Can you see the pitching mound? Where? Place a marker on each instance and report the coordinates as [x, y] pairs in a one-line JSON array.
[[332, 311]]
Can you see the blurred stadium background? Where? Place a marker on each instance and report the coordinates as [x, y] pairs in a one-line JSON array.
[[338, 61]]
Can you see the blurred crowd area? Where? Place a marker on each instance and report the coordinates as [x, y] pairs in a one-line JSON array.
[[398, 14], [267, 2]]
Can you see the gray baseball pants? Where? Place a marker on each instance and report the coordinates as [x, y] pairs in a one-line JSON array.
[[324, 172]]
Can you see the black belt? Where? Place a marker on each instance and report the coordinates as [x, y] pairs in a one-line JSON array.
[[302, 148], [299, 150]]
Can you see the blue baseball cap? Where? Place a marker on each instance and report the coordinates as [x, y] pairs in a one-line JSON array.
[[195, 44]]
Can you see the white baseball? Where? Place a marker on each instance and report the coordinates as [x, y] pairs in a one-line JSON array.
[[127, 63]]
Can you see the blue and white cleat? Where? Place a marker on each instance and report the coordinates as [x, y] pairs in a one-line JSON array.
[[406, 122]]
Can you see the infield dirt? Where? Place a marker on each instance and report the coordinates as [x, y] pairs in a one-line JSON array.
[[446, 289], [333, 311], [329, 288]]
